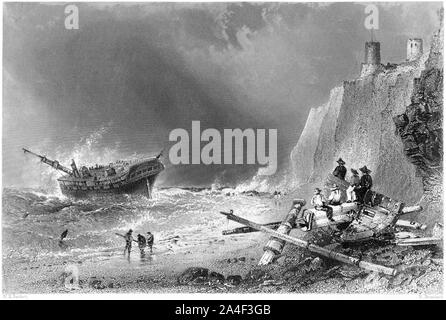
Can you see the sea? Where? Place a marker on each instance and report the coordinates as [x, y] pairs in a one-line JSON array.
[[180, 219], [35, 213]]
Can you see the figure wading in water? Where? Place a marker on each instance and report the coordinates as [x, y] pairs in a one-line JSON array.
[[128, 242]]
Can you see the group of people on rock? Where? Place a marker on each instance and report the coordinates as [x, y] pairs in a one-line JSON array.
[[358, 186]]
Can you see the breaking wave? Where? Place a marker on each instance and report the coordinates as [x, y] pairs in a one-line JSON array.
[[33, 221]]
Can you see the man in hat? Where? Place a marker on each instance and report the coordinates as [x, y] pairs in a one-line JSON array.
[[366, 181], [319, 203], [335, 196], [150, 240], [340, 171], [354, 185], [128, 242]]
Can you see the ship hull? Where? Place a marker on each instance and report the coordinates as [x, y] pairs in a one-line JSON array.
[[141, 187]]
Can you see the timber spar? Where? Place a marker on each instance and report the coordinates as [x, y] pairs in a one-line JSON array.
[[331, 254]]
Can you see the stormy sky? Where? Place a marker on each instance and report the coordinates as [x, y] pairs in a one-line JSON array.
[[131, 73]]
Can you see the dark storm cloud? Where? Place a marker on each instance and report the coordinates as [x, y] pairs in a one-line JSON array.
[[145, 69], [243, 15]]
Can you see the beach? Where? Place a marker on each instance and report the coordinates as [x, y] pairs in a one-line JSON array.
[[227, 264]]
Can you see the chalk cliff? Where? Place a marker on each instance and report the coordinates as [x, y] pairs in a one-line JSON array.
[[357, 124]]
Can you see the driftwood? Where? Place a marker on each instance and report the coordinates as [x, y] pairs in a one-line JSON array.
[[311, 247], [410, 224], [418, 241], [272, 225], [411, 209], [341, 214], [275, 245]]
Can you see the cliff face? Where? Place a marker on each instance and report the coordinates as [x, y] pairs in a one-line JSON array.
[[302, 155], [358, 125], [420, 125]]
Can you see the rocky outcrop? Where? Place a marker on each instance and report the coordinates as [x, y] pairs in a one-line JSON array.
[[420, 125], [357, 125]]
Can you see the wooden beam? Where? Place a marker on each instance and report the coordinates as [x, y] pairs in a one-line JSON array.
[[311, 247]]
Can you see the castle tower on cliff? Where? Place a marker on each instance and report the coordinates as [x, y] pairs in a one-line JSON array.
[[414, 49], [372, 53], [372, 58]]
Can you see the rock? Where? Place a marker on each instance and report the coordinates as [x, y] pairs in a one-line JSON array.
[[383, 283], [113, 284], [316, 264], [402, 250], [234, 280], [402, 279], [415, 271], [268, 283], [96, 283], [199, 280], [332, 270], [350, 273], [215, 276], [388, 258], [426, 262], [257, 274], [193, 274], [242, 259], [416, 257], [375, 281]]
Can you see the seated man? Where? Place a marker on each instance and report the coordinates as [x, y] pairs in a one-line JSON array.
[[319, 203], [305, 220], [335, 196], [302, 218], [354, 185]]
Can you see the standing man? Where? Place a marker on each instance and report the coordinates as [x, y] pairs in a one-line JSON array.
[[354, 185], [366, 181], [319, 203], [277, 196], [141, 243], [150, 240], [340, 171], [335, 196], [62, 243], [128, 242]]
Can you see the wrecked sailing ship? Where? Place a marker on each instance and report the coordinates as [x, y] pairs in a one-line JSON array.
[[120, 177]]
